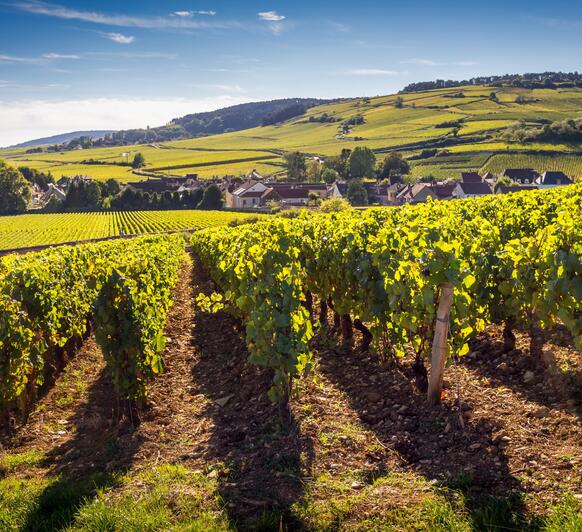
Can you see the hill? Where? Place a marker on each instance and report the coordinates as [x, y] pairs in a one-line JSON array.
[[441, 131], [63, 137]]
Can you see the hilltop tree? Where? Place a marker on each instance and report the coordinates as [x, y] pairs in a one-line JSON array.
[[394, 164], [362, 162], [399, 102], [296, 166], [138, 161], [16, 193], [212, 198]]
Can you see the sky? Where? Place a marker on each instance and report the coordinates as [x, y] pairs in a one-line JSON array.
[[107, 64]]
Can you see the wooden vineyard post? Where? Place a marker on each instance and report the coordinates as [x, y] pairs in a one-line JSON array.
[[440, 345]]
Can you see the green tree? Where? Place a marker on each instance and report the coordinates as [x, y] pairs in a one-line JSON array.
[[330, 176], [296, 166], [212, 198], [83, 194], [14, 190], [394, 164], [356, 193], [111, 187], [399, 102], [362, 162], [314, 171], [138, 161]]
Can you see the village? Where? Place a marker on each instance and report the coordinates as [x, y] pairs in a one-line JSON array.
[[257, 192]]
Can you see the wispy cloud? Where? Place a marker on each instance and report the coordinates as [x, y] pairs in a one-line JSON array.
[[339, 26], [17, 59], [38, 7], [368, 72], [53, 55], [418, 61], [274, 21], [192, 13], [119, 38], [236, 89], [430, 62], [130, 55], [271, 16]]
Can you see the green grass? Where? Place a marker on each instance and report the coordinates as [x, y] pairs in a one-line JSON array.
[[385, 127], [173, 497], [163, 498]]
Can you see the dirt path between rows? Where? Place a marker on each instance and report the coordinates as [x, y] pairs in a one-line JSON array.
[[362, 418]]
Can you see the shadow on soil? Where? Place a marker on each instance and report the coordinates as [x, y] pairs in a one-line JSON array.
[[433, 441], [258, 460], [104, 444], [552, 387]]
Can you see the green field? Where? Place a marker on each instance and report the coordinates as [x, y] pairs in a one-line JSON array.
[[28, 230], [408, 129]]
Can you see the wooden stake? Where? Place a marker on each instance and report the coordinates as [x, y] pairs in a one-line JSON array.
[[440, 345]]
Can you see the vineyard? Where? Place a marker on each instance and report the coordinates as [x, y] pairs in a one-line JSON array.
[[410, 368], [30, 230], [397, 274], [435, 119]]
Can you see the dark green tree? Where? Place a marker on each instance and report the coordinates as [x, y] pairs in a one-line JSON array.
[[394, 164], [138, 161], [14, 190], [330, 176], [212, 198], [356, 193], [362, 162], [296, 166]]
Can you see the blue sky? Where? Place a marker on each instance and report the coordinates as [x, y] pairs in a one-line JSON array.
[[84, 65]]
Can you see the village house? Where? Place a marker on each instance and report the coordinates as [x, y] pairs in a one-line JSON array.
[[471, 190], [523, 176], [246, 195], [471, 177], [553, 179], [416, 193]]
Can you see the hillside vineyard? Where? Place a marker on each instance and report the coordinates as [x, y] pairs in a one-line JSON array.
[[512, 260]]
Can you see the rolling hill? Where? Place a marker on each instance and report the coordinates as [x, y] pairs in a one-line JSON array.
[[442, 132]]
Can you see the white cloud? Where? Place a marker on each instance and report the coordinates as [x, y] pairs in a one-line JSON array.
[[38, 7], [192, 13], [28, 119], [17, 59], [271, 16], [369, 72], [417, 61], [119, 38], [60, 56], [430, 62], [106, 56]]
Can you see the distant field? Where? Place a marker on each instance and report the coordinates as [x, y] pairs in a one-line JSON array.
[[426, 118], [30, 230]]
